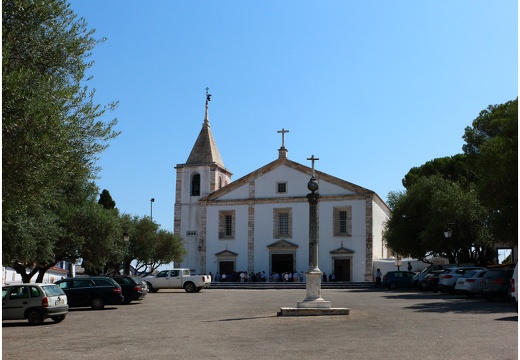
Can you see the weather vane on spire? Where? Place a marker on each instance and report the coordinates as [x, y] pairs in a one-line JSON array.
[[208, 96]]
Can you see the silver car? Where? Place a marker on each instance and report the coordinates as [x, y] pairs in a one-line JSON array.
[[448, 278], [34, 302], [469, 283]]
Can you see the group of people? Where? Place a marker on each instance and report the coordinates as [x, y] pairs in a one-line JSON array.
[[243, 276], [288, 277], [240, 276]]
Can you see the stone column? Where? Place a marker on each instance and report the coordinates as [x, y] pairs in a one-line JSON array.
[[313, 274]]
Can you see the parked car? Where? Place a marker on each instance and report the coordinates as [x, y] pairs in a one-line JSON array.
[[398, 279], [177, 279], [430, 281], [514, 288], [93, 291], [448, 278], [133, 287], [34, 302], [496, 283], [416, 280], [469, 283]]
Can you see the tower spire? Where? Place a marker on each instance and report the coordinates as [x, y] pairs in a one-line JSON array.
[[205, 150]]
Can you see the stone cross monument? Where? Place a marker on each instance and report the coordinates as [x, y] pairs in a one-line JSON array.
[[313, 274]]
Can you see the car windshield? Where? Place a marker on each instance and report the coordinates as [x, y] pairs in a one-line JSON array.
[[52, 290]]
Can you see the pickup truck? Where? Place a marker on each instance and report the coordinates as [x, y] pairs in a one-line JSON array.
[[177, 279]]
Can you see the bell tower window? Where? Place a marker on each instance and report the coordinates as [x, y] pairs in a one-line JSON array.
[[195, 185]]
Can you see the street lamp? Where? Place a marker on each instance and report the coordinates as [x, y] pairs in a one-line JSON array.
[[397, 259], [448, 232], [152, 200], [126, 265]]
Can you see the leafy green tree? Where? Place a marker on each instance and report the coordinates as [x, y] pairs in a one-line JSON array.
[[149, 246], [105, 199], [51, 135], [420, 215], [492, 148], [453, 168]]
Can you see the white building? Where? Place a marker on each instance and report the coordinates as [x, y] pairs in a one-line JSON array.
[[260, 222]]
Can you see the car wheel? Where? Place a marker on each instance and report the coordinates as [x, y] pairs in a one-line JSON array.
[[58, 319], [392, 286], [198, 289], [189, 287], [35, 317], [151, 288], [97, 303]]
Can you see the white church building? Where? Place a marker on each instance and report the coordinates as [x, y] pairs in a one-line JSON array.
[[260, 222]]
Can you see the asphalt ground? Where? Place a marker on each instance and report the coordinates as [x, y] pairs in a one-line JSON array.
[[243, 324]]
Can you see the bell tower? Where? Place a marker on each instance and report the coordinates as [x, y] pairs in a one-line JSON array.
[[202, 174]]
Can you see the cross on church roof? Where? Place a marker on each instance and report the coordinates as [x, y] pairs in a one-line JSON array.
[[283, 131], [312, 158]]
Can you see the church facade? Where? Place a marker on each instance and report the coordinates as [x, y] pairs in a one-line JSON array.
[[260, 222]]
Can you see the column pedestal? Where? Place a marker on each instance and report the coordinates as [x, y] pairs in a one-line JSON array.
[[313, 286]]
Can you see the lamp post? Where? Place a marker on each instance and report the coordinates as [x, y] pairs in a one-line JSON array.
[[152, 200], [448, 232], [126, 264], [397, 261]]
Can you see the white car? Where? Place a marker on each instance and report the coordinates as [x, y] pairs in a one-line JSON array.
[[469, 283], [34, 302], [448, 278]]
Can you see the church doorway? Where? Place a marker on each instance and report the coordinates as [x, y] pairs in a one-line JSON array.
[[226, 267], [281, 263], [342, 269]]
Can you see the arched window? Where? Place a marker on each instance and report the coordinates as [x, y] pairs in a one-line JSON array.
[[195, 185]]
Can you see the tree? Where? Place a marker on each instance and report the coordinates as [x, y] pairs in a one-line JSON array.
[[420, 215], [51, 132], [106, 200], [492, 149], [149, 246], [453, 168]]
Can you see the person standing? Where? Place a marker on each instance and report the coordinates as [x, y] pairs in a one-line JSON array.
[[378, 278], [409, 266]]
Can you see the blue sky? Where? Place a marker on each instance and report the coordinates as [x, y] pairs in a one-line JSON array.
[[371, 88]]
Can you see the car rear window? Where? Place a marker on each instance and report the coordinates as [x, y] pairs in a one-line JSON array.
[[126, 281], [104, 282], [52, 291], [469, 274]]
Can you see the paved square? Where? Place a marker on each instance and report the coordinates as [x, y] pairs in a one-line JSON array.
[[243, 324]]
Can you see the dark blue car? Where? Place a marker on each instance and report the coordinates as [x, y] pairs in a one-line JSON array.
[[398, 279]]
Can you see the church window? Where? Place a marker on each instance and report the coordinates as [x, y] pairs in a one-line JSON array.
[[226, 227], [229, 225], [282, 187], [343, 221], [195, 185], [282, 223]]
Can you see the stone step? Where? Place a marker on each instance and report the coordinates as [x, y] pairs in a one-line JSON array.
[[288, 285]]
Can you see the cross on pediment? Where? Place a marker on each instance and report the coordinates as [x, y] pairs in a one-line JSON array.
[[283, 131]]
